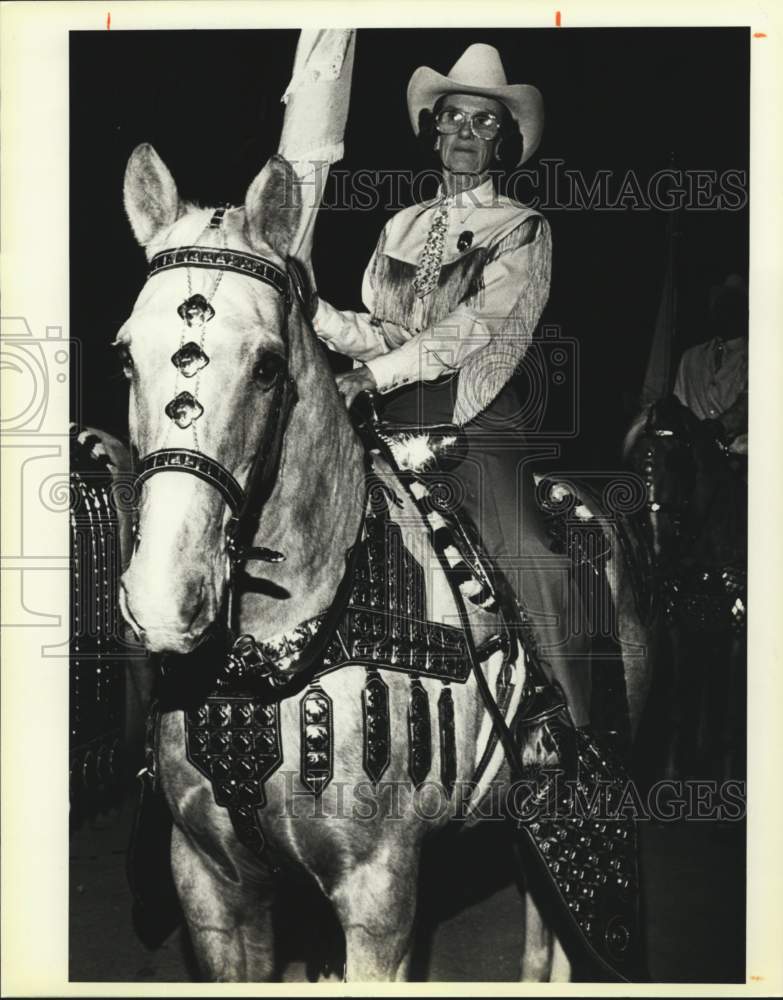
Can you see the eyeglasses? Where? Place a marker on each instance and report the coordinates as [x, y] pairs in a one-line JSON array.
[[483, 124]]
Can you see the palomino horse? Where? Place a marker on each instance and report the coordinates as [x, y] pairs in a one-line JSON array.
[[695, 519], [211, 394]]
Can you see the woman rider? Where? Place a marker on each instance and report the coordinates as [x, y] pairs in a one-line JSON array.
[[454, 289]]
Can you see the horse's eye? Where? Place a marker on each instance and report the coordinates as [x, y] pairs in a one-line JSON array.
[[267, 369], [126, 361]]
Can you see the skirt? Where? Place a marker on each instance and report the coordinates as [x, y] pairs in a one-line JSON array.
[[495, 485]]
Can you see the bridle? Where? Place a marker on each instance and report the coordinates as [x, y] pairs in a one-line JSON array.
[[653, 504], [245, 504], [683, 438]]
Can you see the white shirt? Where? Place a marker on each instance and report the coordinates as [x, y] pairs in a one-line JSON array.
[[711, 376], [500, 318]]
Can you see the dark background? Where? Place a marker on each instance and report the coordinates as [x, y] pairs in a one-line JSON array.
[[615, 99]]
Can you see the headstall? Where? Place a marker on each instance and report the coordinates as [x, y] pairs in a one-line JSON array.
[[652, 504], [185, 409]]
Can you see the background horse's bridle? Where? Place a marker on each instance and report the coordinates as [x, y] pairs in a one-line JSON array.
[[245, 504], [682, 439]]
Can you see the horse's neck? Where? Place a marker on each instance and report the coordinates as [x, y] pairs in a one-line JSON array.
[[314, 513]]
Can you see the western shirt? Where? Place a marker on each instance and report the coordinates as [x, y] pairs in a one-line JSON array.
[[485, 334], [711, 376]]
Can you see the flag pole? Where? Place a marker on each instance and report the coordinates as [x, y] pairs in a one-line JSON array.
[[660, 371]]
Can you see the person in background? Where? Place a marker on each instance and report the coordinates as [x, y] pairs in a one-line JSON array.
[[712, 378]]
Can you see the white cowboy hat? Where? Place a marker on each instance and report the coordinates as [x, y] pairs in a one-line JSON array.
[[480, 71]]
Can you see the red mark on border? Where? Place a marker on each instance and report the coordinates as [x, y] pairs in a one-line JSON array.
[[557, 18], [759, 34], [108, 21]]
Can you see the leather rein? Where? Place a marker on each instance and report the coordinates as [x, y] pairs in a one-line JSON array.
[[245, 504]]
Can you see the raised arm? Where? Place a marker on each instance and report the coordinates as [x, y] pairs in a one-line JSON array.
[[316, 100]]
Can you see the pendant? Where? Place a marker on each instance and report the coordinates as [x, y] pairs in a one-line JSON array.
[[189, 359], [195, 311], [377, 734], [465, 240], [184, 409], [448, 742], [317, 740], [419, 733]]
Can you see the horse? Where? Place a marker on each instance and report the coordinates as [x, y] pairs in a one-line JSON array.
[[232, 388], [695, 523]]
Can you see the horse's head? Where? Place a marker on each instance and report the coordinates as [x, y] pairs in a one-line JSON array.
[[207, 354], [659, 447]]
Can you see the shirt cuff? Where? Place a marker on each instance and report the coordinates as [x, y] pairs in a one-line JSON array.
[[326, 316], [386, 371]]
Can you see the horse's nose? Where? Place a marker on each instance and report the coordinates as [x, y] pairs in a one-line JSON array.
[[176, 628]]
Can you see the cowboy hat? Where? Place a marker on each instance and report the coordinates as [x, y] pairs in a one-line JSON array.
[[733, 287], [480, 71]]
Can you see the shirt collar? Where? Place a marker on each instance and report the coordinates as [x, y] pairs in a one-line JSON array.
[[480, 196]]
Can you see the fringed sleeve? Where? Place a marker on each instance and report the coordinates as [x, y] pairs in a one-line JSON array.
[[316, 100]]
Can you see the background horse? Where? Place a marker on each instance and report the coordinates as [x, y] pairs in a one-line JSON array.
[[360, 847], [110, 677], [695, 519]]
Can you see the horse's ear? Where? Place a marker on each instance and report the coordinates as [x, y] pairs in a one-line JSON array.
[[273, 207], [151, 199]]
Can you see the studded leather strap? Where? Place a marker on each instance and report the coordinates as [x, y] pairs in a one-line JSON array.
[[196, 464], [223, 260]]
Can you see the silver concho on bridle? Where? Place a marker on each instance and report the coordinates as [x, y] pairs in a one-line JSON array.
[[190, 359], [184, 409], [194, 312]]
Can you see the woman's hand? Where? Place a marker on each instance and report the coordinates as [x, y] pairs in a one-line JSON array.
[[350, 384]]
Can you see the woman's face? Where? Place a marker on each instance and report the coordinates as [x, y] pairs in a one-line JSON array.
[[463, 152]]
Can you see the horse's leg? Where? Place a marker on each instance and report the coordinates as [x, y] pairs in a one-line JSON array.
[[376, 905], [543, 958], [139, 684], [636, 641], [230, 922]]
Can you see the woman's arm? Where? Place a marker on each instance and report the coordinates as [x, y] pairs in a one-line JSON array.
[[351, 333], [515, 288]]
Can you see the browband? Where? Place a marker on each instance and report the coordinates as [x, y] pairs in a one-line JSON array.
[[224, 260], [195, 464]]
